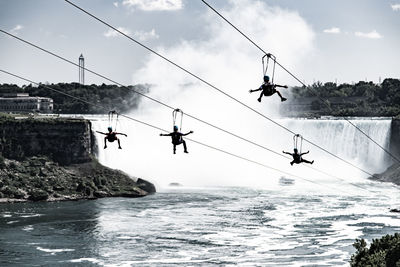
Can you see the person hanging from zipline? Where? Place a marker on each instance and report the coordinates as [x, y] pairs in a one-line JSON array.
[[268, 89], [111, 137], [177, 139], [176, 135], [297, 155]]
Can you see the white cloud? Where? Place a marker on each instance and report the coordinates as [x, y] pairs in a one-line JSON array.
[[116, 4], [371, 35], [332, 30], [283, 33], [151, 5], [111, 33], [16, 29], [396, 7], [143, 36]]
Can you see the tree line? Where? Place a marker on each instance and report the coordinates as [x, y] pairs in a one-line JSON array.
[[359, 99], [108, 97]]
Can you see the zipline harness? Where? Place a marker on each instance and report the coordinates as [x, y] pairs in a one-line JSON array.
[[298, 142], [265, 65], [113, 119], [175, 114]]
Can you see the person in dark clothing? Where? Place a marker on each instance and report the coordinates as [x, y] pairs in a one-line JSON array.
[[177, 138], [297, 157], [268, 89], [111, 137]]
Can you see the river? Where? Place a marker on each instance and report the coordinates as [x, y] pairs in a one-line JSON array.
[[226, 212]]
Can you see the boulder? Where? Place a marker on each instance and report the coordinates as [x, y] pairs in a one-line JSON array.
[[146, 186], [38, 195], [100, 194]]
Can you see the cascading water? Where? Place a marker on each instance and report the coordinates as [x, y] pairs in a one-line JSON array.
[[344, 140], [145, 154]]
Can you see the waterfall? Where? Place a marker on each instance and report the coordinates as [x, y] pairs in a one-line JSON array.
[[344, 140], [145, 154]]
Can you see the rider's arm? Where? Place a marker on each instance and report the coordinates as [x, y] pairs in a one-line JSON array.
[[187, 133], [255, 90]]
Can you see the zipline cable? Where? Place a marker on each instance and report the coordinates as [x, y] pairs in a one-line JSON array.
[[165, 105], [163, 130], [301, 82], [214, 87]]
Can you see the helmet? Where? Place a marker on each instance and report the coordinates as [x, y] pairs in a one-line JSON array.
[[266, 78], [295, 150], [175, 128], [109, 128]]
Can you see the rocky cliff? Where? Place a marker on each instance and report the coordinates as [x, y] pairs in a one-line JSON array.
[[395, 137], [391, 175], [52, 159], [66, 141]]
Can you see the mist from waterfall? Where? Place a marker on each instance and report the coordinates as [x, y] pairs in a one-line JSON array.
[[226, 60], [145, 154]]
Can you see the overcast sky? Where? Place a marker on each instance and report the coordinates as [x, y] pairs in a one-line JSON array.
[[317, 40]]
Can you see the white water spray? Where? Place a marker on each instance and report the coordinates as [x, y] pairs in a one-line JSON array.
[[146, 154]]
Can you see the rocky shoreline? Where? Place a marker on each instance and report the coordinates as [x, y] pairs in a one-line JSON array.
[[52, 159], [391, 175], [41, 179]]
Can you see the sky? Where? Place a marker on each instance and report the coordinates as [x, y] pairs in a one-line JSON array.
[[341, 40]]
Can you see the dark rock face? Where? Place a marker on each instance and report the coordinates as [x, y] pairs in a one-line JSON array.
[[146, 186], [52, 160], [39, 178], [37, 195], [66, 141], [391, 175], [395, 137]]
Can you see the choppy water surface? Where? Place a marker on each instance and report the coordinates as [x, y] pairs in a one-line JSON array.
[[197, 227]]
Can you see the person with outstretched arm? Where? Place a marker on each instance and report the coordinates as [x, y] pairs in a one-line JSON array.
[[297, 157], [268, 89], [111, 137], [177, 139]]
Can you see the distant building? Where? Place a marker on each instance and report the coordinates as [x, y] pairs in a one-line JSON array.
[[21, 102], [81, 70]]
